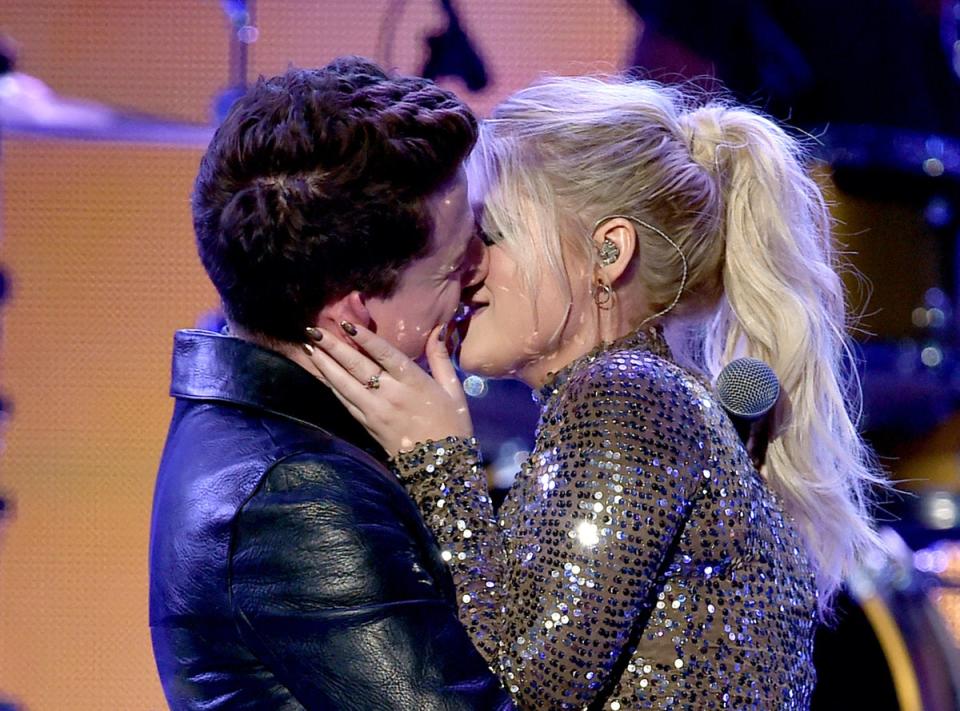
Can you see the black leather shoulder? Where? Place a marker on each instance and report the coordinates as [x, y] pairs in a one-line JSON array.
[[344, 530], [335, 585]]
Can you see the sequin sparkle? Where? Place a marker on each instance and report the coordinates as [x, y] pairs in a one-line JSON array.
[[639, 558]]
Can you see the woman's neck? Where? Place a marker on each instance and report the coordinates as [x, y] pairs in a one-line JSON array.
[[609, 327], [537, 372]]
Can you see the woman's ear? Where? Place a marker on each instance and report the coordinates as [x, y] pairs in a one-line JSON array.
[[615, 242]]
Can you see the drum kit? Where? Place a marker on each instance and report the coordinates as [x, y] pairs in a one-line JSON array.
[[29, 108]]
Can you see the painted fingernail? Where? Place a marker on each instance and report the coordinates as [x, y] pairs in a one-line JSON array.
[[443, 333], [349, 328], [308, 348], [314, 333]]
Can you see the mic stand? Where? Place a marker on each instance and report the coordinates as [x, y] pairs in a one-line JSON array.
[[243, 33]]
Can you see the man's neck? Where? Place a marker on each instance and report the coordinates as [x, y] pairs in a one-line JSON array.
[[293, 351]]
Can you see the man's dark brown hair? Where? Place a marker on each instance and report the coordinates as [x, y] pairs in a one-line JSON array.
[[315, 185]]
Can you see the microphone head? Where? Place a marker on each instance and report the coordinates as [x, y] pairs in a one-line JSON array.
[[748, 388]]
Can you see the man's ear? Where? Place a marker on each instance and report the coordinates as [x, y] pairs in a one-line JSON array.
[[352, 307], [615, 242]]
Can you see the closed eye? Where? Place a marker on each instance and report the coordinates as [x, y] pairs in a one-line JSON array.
[[484, 237]]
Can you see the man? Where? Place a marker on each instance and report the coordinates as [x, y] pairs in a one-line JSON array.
[[289, 569]]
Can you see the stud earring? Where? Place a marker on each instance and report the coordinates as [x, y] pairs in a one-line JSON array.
[[609, 252]]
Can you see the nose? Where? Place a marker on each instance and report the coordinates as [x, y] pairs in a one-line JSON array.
[[479, 263]]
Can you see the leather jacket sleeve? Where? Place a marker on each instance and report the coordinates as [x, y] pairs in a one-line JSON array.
[[337, 586]]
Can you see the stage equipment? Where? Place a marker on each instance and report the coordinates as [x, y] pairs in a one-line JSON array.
[[896, 196], [243, 33], [889, 648], [452, 54], [29, 107], [747, 388]]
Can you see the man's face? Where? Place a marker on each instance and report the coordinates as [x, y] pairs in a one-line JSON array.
[[429, 290]]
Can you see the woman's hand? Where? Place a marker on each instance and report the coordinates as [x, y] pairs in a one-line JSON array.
[[395, 399]]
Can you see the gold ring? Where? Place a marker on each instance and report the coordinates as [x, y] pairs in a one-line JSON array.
[[373, 382]]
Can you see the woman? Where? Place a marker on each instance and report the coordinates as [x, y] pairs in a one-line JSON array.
[[639, 242]]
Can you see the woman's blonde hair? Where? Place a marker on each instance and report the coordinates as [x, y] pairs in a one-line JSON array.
[[731, 188]]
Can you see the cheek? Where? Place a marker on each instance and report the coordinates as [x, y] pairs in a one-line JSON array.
[[552, 307], [410, 335], [428, 309]]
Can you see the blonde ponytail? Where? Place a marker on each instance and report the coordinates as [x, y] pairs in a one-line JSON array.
[[784, 303]]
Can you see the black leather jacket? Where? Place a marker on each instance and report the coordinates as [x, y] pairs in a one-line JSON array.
[[288, 568]]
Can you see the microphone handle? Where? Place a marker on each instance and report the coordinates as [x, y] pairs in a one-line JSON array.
[[743, 427], [755, 435]]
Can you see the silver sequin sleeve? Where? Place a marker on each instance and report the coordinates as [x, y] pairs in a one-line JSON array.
[[448, 484], [607, 498], [639, 561]]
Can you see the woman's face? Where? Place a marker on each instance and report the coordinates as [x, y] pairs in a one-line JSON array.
[[517, 330]]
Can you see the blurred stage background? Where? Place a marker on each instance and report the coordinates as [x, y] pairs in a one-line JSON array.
[[98, 252]]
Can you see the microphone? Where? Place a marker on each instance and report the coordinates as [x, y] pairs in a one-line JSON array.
[[748, 389]]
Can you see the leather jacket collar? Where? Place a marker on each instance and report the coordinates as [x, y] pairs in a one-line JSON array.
[[220, 368]]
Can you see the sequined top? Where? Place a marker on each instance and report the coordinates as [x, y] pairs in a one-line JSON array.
[[640, 561]]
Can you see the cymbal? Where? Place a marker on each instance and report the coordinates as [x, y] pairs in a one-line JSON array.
[[29, 107]]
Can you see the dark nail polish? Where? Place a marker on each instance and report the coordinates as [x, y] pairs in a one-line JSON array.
[[314, 333], [443, 333], [308, 348], [349, 328]]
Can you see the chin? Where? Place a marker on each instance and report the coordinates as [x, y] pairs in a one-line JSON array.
[[481, 361], [472, 363], [483, 349]]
